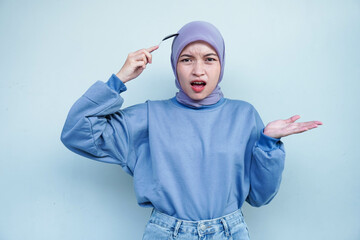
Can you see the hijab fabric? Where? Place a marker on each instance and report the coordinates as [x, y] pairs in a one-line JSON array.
[[191, 32]]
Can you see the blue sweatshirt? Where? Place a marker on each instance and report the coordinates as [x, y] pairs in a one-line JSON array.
[[190, 163]]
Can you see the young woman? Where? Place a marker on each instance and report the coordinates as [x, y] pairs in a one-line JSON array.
[[195, 158]]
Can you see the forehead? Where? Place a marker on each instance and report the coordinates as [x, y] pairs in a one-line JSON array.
[[198, 47]]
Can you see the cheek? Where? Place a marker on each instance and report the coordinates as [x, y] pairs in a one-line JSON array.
[[181, 73], [180, 76], [215, 74]]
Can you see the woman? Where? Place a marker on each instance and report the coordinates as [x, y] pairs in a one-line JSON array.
[[195, 158]]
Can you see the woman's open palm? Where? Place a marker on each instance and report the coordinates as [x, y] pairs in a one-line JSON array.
[[283, 128]]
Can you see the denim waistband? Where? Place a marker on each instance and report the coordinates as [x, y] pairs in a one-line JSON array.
[[201, 227]]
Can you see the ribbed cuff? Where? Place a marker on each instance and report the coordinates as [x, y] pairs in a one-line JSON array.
[[116, 84], [267, 143]]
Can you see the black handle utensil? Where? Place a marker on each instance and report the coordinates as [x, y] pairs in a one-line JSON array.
[[167, 37]]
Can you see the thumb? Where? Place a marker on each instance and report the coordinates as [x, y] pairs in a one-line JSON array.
[[292, 119]]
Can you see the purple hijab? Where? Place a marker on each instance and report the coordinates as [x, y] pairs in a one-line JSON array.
[[191, 32]]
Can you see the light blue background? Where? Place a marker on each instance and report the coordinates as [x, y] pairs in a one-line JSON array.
[[284, 57]]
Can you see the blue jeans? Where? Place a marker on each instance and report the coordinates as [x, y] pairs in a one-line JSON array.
[[164, 227]]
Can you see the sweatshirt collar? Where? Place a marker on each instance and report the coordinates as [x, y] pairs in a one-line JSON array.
[[204, 107]]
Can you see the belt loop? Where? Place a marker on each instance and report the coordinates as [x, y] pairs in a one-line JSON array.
[[198, 229], [177, 226], [226, 227]]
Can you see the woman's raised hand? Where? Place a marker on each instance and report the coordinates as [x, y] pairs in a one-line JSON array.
[[283, 128], [135, 64]]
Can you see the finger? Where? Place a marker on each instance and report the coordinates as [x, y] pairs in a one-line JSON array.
[[141, 64], [140, 58], [317, 123], [139, 52], [313, 122], [306, 124], [153, 48], [143, 55], [148, 56], [144, 59], [139, 55], [302, 127], [292, 119]]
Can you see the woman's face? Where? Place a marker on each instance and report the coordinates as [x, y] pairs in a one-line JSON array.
[[198, 70]]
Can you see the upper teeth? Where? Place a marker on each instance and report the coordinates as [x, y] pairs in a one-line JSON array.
[[198, 82]]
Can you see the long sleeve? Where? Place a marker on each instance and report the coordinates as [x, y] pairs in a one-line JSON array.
[[267, 164], [95, 127]]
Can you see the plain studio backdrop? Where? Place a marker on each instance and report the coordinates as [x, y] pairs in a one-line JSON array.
[[284, 57]]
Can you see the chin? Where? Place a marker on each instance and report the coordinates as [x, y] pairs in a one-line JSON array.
[[197, 97]]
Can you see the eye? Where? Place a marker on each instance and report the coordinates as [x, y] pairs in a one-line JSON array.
[[209, 59], [185, 60]]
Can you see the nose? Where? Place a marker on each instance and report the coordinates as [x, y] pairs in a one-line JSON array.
[[198, 69]]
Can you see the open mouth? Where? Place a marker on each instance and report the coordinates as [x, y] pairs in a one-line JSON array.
[[198, 85]]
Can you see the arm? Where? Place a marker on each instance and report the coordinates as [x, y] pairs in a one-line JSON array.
[[97, 129], [267, 164], [269, 156]]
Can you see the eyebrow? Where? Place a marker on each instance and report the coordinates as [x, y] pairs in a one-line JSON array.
[[206, 55], [211, 54]]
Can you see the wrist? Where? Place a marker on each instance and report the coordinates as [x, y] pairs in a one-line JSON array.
[[122, 77], [116, 84], [267, 143], [271, 134]]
